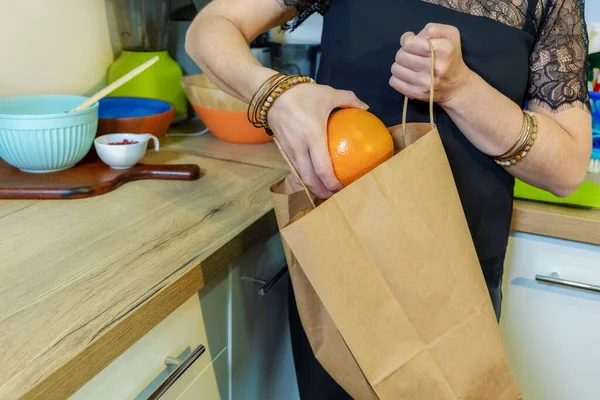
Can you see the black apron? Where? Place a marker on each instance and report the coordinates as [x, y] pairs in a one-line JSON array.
[[359, 43]]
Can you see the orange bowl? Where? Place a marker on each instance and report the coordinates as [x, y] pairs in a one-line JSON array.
[[224, 115], [134, 115], [231, 126]]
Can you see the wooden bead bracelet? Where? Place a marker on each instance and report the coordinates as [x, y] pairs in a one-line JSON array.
[[267, 94]]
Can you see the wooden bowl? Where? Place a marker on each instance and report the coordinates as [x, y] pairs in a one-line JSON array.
[[231, 126], [224, 115], [134, 115]]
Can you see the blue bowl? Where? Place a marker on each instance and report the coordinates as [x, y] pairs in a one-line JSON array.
[[131, 107], [37, 135], [134, 115]]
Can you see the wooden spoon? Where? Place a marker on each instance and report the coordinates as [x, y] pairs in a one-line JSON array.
[[116, 84]]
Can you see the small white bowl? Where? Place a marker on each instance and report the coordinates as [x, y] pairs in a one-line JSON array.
[[123, 156]]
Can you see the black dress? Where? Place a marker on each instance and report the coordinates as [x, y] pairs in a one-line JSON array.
[[534, 51]]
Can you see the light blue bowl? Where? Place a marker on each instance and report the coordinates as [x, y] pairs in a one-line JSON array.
[[36, 135]]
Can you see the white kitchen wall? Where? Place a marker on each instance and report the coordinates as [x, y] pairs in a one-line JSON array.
[[53, 46], [592, 10]]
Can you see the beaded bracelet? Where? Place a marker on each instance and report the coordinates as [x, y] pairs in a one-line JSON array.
[[267, 94], [525, 145]]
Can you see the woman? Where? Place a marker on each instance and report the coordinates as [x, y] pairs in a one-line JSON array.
[[492, 57]]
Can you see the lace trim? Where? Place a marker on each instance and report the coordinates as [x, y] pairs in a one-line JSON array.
[[305, 9], [558, 63], [578, 104]]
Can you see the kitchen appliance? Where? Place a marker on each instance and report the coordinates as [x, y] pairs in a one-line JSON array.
[[179, 23], [261, 50], [292, 58], [144, 32]]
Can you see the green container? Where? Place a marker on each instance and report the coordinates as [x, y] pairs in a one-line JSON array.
[[587, 195], [160, 81]]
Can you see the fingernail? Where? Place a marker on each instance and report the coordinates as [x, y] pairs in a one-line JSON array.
[[364, 105]]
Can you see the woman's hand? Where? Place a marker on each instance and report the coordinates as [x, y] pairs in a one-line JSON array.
[[411, 72], [299, 121]]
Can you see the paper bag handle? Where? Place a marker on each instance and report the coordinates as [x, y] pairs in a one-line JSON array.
[[295, 172], [431, 93], [404, 112]]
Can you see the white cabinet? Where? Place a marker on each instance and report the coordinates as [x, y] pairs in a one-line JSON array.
[[551, 332], [246, 338], [202, 320], [208, 386], [262, 366], [205, 384]]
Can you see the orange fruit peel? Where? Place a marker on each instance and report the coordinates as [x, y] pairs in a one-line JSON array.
[[358, 142]]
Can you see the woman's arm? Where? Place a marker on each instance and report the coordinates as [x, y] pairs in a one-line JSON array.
[[218, 41], [557, 162]]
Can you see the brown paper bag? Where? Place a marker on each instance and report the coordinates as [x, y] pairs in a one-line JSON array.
[[330, 349], [388, 285]]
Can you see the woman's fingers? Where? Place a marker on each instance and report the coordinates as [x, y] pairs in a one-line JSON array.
[[405, 74], [321, 161], [412, 61], [415, 85], [347, 99], [407, 89], [416, 45], [305, 168]]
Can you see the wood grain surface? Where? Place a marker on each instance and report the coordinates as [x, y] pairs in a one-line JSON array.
[[91, 177], [569, 223], [82, 280]]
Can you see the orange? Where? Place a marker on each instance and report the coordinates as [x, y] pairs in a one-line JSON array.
[[358, 142]]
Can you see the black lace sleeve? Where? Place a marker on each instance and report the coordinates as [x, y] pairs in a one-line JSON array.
[[305, 9], [558, 65]]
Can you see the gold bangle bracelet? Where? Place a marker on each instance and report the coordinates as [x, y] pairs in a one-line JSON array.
[[518, 141], [525, 148]]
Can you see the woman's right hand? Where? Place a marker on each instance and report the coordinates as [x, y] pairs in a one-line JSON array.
[[298, 120]]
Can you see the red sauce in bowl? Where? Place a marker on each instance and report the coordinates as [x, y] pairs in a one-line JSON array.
[[124, 142]]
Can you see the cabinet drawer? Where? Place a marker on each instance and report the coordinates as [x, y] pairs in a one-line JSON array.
[[210, 382], [202, 320], [550, 331], [531, 255]]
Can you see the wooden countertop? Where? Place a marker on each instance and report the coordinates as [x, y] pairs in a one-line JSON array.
[[561, 222], [82, 280]]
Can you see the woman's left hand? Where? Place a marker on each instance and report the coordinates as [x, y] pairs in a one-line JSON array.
[[411, 71]]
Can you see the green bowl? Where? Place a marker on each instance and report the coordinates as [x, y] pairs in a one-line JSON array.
[[37, 135]]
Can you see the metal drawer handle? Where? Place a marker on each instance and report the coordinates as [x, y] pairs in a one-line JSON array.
[[175, 368], [266, 286], [554, 279]]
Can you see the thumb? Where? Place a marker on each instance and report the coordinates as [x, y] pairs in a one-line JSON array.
[[347, 99]]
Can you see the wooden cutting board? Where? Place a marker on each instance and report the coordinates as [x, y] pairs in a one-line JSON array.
[[91, 177]]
